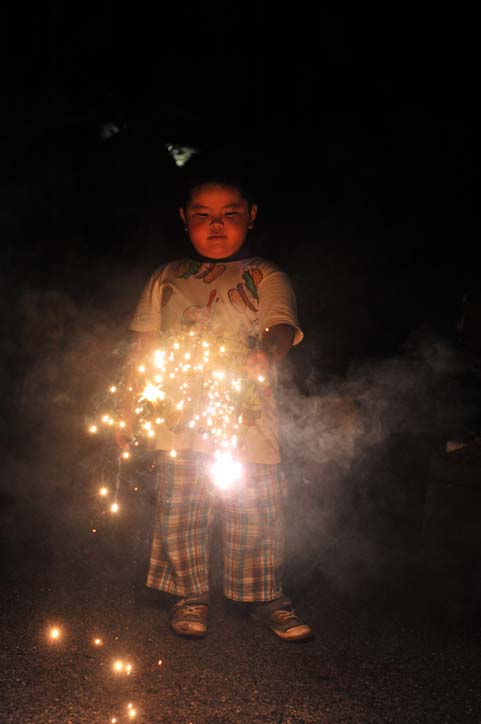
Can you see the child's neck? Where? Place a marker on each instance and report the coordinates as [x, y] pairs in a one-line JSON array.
[[243, 253]]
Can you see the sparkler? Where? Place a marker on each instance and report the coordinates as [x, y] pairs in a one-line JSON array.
[[194, 384], [225, 471]]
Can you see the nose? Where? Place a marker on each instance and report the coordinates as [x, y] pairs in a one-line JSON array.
[[216, 221]]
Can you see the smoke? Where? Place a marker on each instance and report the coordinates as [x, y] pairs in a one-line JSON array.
[[357, 451], [65, 353], [356, 447]]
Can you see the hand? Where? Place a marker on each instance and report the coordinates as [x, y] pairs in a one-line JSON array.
[[257, 364]]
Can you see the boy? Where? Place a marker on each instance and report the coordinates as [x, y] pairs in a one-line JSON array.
[[227, 290]]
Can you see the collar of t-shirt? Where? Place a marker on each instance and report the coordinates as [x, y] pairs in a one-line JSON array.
[[243, 253]]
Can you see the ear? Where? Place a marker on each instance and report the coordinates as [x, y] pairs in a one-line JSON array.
[[182, 215], [252, 216]]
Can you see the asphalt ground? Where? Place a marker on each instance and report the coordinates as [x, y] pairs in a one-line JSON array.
[[402, 646]]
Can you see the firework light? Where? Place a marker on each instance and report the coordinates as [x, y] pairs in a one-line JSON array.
[[195, 383], [225, 471]]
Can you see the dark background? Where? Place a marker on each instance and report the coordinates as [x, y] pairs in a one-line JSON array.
[[361, 128], [362, 125]]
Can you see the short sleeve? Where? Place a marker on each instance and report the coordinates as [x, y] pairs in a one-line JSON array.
[[148, 314], [277, 303]]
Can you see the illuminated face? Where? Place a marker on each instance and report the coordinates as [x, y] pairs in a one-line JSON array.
[[217, 219]]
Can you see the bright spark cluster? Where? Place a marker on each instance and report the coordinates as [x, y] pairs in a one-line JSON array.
[[196, 384]]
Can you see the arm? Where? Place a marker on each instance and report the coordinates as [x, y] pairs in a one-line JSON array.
[[275, 344], [277, 341]]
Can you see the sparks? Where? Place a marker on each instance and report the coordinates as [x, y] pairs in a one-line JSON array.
[[159, 359], [151, 393], [103, 491], [98, 642], [197, 382], [114, 508]]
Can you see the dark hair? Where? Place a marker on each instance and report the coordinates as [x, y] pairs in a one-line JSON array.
[[224, 166]]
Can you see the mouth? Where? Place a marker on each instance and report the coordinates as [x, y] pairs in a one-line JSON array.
[[217, 236]]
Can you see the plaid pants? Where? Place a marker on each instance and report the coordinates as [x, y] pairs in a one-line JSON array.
[[252, 529]]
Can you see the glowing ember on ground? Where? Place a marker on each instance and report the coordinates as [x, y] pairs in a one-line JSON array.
[[98, 642], [122, 667], [103, 491], [54, 633], [114, 507]]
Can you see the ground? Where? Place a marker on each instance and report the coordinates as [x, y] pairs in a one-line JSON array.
[[401, 647]]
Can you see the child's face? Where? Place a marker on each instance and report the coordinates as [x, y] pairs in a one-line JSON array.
[[217, 219]]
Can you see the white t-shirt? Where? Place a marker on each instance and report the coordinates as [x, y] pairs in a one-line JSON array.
[[236, 299]]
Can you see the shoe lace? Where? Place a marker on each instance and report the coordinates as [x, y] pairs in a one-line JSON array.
[[192, 609], [287, 616]]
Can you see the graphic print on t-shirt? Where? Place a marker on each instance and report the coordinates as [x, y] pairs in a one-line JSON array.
[[244, 297], [208, 272]]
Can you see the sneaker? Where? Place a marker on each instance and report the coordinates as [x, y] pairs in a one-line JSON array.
[[188, 617], [280, 617]]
